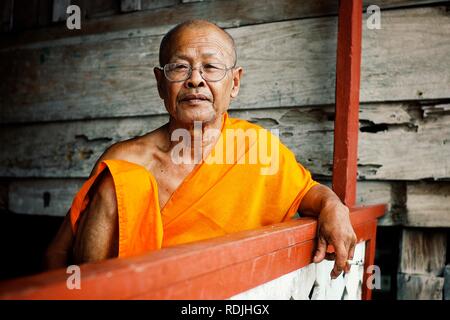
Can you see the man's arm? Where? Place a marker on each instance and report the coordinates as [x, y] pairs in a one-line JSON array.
[[97, 235], [67, 245], [57, 254], [334, 226]]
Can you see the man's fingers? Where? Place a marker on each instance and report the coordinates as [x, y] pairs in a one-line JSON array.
[[351, 253], [341, 261], [321, 249], [330, 256]]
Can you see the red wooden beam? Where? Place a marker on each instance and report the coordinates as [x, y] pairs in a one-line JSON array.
[[212, 269], [347, 100]]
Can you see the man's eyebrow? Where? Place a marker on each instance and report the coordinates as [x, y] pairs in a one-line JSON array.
[[206, 54]]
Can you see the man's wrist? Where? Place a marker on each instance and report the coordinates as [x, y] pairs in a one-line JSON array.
[[334, 204]]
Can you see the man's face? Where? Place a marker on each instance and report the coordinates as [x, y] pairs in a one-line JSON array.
[[198, 47]]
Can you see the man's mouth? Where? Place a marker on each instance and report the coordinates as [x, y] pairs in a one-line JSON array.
[[194, 98]]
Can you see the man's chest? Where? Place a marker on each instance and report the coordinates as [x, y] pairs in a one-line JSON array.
[[169, 177]]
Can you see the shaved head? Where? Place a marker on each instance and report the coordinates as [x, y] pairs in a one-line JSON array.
[[167, 41]]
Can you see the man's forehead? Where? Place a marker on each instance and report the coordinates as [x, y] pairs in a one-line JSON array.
[[207, 42], [199, 49]]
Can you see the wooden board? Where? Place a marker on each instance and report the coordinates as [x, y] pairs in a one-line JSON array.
[[54, 196], [428, 204], [114, 78], [59, 12], [157, 19], [447, 282], [226, 14], [390, 193], [70, 149], [423, 251], [419, 287], [130, 5]]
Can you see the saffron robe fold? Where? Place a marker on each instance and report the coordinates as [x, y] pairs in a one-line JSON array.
[[218, 197]]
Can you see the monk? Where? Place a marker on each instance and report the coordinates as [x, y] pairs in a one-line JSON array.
[[157, 190]]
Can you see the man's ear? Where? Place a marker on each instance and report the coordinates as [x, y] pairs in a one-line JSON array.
[[237, 74], [159, 75]]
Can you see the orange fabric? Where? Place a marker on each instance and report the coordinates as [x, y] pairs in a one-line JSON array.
[[213, 200]]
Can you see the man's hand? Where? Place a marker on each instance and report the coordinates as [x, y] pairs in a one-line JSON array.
[[334, 227]]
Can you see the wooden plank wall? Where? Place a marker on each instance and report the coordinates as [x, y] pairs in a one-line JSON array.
[[67, 95]]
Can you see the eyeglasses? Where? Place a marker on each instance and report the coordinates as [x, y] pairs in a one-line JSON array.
[[211, 72]]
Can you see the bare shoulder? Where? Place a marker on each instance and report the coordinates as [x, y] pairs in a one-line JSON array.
[[138, 150]]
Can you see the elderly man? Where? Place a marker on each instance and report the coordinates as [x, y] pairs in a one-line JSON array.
[[156, 191]]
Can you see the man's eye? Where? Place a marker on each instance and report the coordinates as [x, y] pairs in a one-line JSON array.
[[211, 66], [180, 67]]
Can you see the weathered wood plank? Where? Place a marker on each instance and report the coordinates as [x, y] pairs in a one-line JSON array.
[[447, 282], [409, 147], [101, 8], [190, 1], [115, 78], [156, 4], [54, 197], [60, 10], [130, 5], [6, 14], [69, 149], [158, 21], [226, 13], [419, 287], [423, 251], [391, 193], [428, 205]]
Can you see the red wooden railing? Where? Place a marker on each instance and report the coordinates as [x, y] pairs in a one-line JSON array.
[[212, 269]]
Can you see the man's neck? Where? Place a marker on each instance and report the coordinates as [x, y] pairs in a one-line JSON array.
[[198, 138]]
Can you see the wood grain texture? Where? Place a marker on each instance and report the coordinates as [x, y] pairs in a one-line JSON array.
[[159, 16], [114, 78], [130, 5], [419, 287], [447, 282], [54, 197], [157, 19], [70, 149], [428, 204], [423, 252], [59, 12]]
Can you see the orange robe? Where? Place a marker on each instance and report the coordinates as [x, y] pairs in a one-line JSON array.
[[215, 199]]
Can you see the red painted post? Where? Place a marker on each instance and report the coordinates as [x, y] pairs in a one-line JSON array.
[[347, 100]]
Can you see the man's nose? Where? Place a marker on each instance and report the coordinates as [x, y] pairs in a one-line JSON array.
[[195, 80]]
